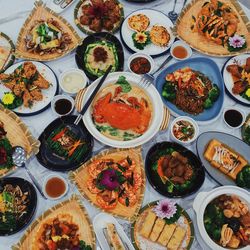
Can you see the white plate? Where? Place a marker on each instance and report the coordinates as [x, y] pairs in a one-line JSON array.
[[100, 222], [228, 79], [48, 94], [156, 18], [156, 119]]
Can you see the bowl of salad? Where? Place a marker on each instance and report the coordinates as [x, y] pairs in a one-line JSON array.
[[184, 130]]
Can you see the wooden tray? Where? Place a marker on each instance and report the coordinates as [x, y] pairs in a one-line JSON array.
[[199, 42], [79, 99], [81, 175], [71, 206], [18, 134], [40, 11]]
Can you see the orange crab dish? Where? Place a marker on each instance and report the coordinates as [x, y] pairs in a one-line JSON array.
[[113, 181], [122, 111]]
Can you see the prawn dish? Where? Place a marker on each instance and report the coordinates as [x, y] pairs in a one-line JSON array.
[[213, 27], [114, 181], [26, 85], [122, 111], [98, 15], [190, 90]]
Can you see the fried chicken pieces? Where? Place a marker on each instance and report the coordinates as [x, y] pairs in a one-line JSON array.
[[100, 14], [26, 82], [217, 21]]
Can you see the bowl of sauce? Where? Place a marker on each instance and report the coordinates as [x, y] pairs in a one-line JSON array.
[[234, 117], [55, 187], [140, 63], [180, 50], [72, 80], [62, 105], [184, 130]]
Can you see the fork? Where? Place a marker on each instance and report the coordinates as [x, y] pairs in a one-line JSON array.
[[148, 79]]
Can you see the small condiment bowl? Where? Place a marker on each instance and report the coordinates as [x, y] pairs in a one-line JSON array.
[[60, 97], [240, 111], [49, 177], [66, 74], [139, 54], [184, 45], [190, 120]]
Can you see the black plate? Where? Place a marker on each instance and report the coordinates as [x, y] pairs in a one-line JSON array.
[[104, 36], [25, 187], [53, 162], [154, 178]]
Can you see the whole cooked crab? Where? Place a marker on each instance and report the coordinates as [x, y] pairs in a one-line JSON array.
[[123, 112]]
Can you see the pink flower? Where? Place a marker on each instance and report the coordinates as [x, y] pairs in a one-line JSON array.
[[110, 179], [165, 208], [236, 41]]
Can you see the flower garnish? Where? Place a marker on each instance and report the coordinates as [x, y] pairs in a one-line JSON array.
[[141, 39], [109, 179], [165, 209], [236, 43], [8, 98]]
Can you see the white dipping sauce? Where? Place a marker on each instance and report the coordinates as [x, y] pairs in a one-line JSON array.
[[73, 81]]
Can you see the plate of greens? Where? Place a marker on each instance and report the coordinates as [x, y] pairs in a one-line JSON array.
[[173, 170], [18, 200], [245, 131], [63, 149]]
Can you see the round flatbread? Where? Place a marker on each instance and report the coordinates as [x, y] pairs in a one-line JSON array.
[[138, 22], [159, 35]]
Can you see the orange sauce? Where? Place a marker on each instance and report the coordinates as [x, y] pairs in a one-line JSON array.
[[180, 52], [55, 187]]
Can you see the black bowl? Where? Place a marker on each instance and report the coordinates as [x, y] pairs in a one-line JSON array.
[[101, 36], [54, 162], [154, 178], [31, 206]]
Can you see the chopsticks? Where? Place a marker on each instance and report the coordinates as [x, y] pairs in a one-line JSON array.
[[92, 96]]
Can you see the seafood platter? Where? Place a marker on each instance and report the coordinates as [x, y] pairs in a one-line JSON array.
[[125, 125]]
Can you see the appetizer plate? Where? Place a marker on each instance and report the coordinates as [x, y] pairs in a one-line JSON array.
[[18, 135], [26, 187], [95, 38], [70, 211], [92, 176], [158, 150], [7, 49], [186, 29], [62, 42], [210, 69], [157, 107], [56, 163], [202, 200], [48, 94], [156, 18], [228, 79], [100, 223], [233, 142], [96, 9], [141, 243]]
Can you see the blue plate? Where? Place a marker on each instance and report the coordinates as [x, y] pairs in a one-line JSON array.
[[208, 68]]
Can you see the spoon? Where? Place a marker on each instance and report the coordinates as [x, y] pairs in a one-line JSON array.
[[172, 14], [19, 157]]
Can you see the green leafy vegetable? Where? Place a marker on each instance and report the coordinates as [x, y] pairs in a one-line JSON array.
[[125, 85], [243, 177], [208, 103], [169, 91], [5, 144], [175, 217], [246, 134], [84, 246], [214, 93]]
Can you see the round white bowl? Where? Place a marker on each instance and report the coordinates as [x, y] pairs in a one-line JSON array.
[[192, 121], [181, 43], [60, 177], [204, 198], [139, 54], [78, 71], [239, 110], [58, 97]]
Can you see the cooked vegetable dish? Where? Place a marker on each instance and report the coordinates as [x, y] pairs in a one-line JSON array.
[[183, 130], [227, 221], [190, 90]]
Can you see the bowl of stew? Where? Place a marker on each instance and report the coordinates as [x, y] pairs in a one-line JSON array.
[[184, 130], [140, 63]]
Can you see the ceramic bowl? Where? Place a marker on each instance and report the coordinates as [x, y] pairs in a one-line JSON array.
[[58, 97], [204, 198], [237, 109], [184, 45]]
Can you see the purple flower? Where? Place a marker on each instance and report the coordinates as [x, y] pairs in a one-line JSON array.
[[236, 41], [165, 209], [109, 179]]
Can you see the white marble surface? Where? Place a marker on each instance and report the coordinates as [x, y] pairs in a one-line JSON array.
[[37, 123]]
